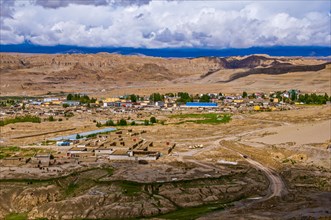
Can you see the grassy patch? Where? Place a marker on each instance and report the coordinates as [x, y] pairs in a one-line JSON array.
[[48, 142], [16, 216], [17, 119], [130, 188], [207, 118], [11, 151], [71, 188], [109, 170]]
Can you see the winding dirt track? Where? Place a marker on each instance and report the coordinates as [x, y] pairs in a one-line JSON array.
[[276, 188], [276, 185]]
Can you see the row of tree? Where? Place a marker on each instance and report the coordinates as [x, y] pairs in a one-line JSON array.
[[293, 96], [123, 122], [84, 99], [26, 118], [312, 98]]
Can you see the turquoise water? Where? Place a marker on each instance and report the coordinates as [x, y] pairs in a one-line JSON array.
[[73, 136]]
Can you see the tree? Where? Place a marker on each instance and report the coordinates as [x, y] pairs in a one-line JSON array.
[[110, 123], [293, 96], [65, 105], [146, 122], [133, 98], [184, 97], [69, 96], [205, 98], [51, 118], [244, 94], [122, 122], [153, 120], [155, 97], [326, 97], [133, 123], [78, 136]]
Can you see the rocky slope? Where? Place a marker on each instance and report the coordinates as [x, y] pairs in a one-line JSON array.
[[86, 195], [77, 72]]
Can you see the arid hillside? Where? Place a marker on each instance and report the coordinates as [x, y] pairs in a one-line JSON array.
[[29, 74]]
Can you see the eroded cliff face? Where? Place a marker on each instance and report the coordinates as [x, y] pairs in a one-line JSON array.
[[77, 72], [87, 195]]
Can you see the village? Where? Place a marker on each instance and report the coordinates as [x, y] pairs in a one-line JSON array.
[[58, 156], [115, 142], [66, 149], [128, 144], [66, 106]]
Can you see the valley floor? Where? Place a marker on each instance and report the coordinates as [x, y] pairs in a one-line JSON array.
[[269, 165]]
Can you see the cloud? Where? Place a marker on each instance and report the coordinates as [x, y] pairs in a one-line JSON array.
[[65, 3], [157, 24]]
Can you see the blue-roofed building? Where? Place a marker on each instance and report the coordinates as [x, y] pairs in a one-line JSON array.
[[201, 105]]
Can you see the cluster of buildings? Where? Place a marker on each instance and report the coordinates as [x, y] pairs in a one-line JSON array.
[[53, 106], [119, 145]]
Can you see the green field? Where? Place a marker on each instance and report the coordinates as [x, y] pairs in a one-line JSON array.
[[16, 216], [17, 119]]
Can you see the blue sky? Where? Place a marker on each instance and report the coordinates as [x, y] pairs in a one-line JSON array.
[[166, 24]]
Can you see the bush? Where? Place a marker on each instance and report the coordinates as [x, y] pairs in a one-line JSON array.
[[122, 122], [153, 120], [17, 119], [110, 123], [146, 122], [133, 123], [51, 118], [65, 105]]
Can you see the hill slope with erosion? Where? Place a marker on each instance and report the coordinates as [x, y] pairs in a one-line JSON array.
[[24, 74]]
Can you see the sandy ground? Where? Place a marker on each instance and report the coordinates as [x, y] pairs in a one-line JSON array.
[[305, 133]]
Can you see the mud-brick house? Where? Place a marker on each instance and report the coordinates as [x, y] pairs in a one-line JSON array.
[[79, 152], [103, 151], [41, 160]]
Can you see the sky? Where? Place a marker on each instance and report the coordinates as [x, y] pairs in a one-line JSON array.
[[166, 24]]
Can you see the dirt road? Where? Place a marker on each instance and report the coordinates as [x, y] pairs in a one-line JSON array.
[[276, 184]]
